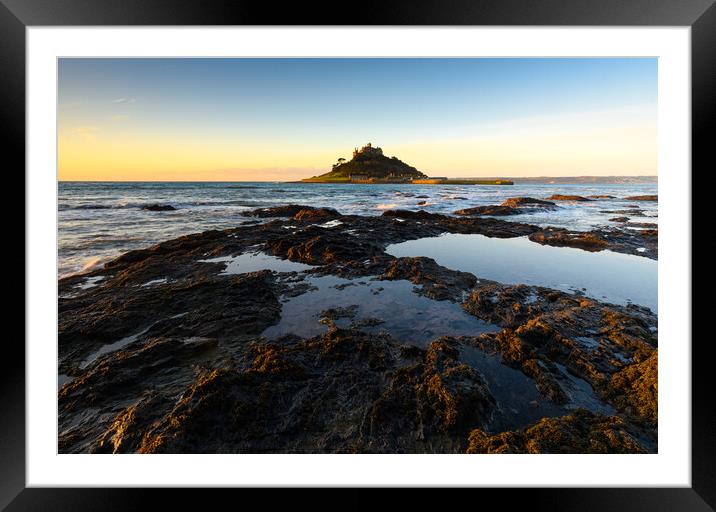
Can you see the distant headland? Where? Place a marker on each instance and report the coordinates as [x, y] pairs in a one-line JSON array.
[[370, 165]]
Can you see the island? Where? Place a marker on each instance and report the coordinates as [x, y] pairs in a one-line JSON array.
[[370, 166]]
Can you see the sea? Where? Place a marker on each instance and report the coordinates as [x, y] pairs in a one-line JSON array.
[[97, 221]]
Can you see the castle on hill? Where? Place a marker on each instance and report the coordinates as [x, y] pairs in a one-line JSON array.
[[370, 165], [368, 150]]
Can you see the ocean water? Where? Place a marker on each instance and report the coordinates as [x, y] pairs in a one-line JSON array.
[[99, 221]]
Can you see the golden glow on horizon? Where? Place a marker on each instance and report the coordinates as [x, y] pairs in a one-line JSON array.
[[619, 142]]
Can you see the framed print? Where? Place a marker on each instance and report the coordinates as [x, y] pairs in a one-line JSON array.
[[433, 247]]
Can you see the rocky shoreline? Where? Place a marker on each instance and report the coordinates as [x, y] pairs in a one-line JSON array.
[[163, 351]]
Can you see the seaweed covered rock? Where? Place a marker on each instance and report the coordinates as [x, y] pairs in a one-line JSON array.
[[438, 395], [653, 197], [344, 391], [437, 282], [318, 246], [501, 304], [561, 197], [634, 390], [316, 214], [579, 432], [588, 241]]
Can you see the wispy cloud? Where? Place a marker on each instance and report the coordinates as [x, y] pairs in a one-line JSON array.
[[119, 117], [124, 100]]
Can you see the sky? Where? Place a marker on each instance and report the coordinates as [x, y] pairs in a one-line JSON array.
[[285, 119]]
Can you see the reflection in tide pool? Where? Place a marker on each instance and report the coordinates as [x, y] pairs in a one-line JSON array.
[[255, 261], [518, 398], [606, 275], [405, 315]]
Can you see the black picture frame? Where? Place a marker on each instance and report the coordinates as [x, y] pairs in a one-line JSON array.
[[700, 15]]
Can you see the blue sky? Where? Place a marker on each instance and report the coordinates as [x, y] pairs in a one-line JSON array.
[[327, 106]]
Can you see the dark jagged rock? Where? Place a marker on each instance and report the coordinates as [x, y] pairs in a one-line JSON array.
[[580, 432], [210, 307], [560, 197], [314, 247], [643, 198], [288, 210], [489, 210], [94, 207], [516, 202], [649, 225], [316, 214], [120, 380], [158, 208], [619, 219], [409, 214], [619, 240], [487, 226], [437, 282], [511, 206], [634, 212], [564, 238], [601, 196]]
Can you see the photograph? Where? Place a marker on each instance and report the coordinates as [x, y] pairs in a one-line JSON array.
[[357, 255], [424, 246]]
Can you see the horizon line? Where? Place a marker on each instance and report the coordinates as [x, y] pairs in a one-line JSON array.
[[300, 181]]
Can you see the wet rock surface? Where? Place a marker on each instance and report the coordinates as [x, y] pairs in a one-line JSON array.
[[166, 352], [159, 208], [437, 282], [515, 202], [643, 243], [643, 198], [489, 210], [560, 197], [511, 206], [634, 212], [547, 334], [288, 210]]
